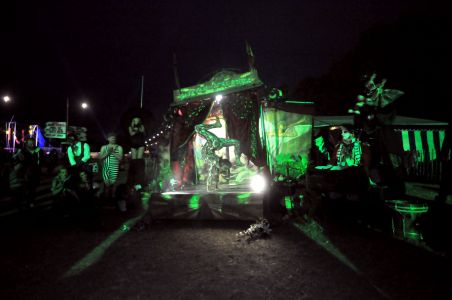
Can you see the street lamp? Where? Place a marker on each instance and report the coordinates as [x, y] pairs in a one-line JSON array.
[[6, 99], [84, 105]]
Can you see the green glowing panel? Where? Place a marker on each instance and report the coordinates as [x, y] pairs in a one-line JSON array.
[[406, 140], [431, 145], [298, 102], [166, 197], [193, 203], [288, 202], [442, 135], [418, 143], [222, 82], [287, 139], [243, 198]]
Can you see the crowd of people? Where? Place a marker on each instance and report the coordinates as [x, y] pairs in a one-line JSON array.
[[75, 192], [79, 181]]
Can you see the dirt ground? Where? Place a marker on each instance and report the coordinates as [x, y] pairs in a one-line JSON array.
[[42, 259]]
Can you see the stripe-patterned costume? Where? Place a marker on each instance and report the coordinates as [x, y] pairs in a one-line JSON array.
[[349, 155], [110, 168]]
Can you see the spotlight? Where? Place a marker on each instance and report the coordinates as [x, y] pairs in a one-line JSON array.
[[258, 183], [218, 98]]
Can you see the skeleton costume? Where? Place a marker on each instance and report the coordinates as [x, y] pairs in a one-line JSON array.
[[349, 155]]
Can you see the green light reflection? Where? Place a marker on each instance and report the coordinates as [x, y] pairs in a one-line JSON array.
[[314, 231], [288, 202], [243, 198], [96, 254], [193, 202]]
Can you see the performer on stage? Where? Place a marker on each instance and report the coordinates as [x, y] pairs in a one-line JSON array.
[[137, 138], [214, 143]]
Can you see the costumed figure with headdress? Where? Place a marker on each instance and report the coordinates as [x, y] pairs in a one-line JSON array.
[[372, 112]]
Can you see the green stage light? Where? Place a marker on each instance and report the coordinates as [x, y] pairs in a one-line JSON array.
[[258, 183]]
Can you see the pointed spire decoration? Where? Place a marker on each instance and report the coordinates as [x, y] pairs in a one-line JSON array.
[[176, 73], [250, 54]]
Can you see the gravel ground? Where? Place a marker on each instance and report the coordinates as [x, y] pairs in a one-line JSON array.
[[41, 259]]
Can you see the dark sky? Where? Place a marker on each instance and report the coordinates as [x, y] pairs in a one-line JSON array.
[[98, 51]]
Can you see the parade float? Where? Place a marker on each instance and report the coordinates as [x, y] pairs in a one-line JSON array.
[[223, 145]]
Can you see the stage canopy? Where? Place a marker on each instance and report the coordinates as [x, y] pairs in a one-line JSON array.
[[399, 121], [224, 82]]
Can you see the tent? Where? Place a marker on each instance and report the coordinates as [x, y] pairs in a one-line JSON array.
[[414, 143], [274, 134]]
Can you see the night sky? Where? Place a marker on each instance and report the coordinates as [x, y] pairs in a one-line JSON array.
[[98, 51]]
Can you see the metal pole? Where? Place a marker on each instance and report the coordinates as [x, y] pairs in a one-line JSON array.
[[67, 116], [142, 83]]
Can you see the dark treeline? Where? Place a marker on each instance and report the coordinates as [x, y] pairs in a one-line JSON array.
[[413, 54]]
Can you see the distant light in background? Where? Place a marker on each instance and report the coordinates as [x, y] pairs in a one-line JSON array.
[[218, 98], [6, 99], [84, 105]]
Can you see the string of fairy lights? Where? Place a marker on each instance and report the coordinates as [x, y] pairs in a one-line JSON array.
[[159, 134]]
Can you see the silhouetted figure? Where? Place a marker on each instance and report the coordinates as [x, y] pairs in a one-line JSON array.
[[79, 154], [446, 174], [65, 201], [31, 158], [137, 137]]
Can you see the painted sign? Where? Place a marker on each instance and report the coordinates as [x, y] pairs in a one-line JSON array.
[[55, 130]]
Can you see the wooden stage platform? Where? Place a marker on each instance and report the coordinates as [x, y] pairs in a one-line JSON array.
[[229, 202]]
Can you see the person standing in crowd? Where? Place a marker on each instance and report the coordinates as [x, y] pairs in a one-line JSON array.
[[111, 156], [320, 154], [446, 162], [137, 139], [78, 155], [32, 159], [5, 165], [16, 179]]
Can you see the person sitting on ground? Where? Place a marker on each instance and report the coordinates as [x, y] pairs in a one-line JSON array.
[[65, 199], [88, 209], [60, 182]]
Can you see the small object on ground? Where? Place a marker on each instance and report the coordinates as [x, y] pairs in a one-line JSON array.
[[125, 228], [261, 229]]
